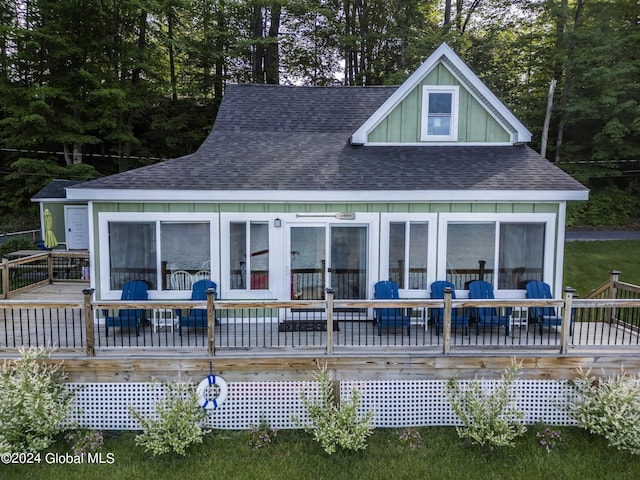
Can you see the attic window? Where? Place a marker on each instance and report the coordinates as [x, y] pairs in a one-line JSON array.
[[440, 113]]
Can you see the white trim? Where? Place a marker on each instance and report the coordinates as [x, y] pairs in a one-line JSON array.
[[454, 90], [276, 269], [549, 219], [560, 236], [331, 196], [432, 220], [151, 217], [369, 220], [360, 136], [438, 143]]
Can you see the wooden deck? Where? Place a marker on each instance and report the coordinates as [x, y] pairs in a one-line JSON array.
[[257, 351]]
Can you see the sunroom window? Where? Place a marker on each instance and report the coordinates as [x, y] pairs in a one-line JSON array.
[[408, 244], [132, 253], [440, 113], [185, 253], [472, 253], [249, 255]]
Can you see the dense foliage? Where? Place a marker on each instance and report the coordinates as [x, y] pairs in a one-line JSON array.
[[35, 402], [337, 427], [177, 424], [90, 88], [489, 418], [609, 406]]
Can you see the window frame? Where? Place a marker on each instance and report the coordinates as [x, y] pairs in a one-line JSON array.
[[104, 218], [386, 219], [549, 248], [424, 127], [276, 271]]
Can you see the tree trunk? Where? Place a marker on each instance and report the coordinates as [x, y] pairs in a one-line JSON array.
[[272, 55], [172, 61], [547, 118], [447, 13], [567, 79], [257, 55]]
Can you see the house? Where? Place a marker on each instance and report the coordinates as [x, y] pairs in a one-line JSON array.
[[70, 217], [297, 189]]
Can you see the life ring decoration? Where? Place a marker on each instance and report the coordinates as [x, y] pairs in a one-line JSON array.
[[206, 383]]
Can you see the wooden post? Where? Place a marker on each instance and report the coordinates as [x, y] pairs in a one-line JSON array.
[[566, 320], [446, 323], [50, 267], [89, 326], [614, 277], [481, 267], [5, 278], [330, 293], [211, 321]]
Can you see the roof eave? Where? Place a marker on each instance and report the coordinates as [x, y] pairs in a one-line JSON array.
[[325, 196]]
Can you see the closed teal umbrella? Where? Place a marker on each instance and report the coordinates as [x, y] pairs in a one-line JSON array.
[[50, 240]]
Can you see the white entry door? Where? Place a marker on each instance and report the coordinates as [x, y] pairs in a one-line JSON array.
[[346, 271], [76, 220]]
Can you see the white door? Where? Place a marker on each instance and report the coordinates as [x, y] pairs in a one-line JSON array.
[[76, 220], [327, 256]]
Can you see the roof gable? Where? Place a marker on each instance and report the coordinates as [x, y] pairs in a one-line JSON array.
[[481, 118]]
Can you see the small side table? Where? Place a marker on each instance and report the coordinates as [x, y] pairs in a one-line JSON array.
[[519, 318], [164, 317]]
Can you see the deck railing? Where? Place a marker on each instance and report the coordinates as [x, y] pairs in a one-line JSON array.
[[327, 326], [27, 270]]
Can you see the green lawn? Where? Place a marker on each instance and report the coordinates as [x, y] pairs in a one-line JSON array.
[[294, 455], [587, 264]]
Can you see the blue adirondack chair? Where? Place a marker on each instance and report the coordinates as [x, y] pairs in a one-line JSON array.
[[389, 317], [487, 316], [196, 317], [128, 318], [544, 315], [458, 318]]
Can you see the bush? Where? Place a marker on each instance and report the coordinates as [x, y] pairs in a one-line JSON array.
[[35, 403], [16, 244], [609, 406], [488, 418], [336, 426], [179, 423], [261, 435], [610, 205]]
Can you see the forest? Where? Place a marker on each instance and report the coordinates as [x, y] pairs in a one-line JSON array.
[[93, 87]]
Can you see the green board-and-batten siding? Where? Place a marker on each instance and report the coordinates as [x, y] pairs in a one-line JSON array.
[[475, 124], [523, 208]]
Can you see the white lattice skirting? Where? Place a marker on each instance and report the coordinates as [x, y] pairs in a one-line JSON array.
[[106, 406]]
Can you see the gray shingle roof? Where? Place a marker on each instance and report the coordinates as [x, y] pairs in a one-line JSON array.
[[297, 138], [55, 189]]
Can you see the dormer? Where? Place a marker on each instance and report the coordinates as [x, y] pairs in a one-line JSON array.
[[442, 103]]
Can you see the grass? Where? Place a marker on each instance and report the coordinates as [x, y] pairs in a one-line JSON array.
[[587, 264], [294, 455]]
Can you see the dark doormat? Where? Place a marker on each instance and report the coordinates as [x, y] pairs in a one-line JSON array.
[[306, 326]]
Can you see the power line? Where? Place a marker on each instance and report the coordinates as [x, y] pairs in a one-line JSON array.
[[19, 150]]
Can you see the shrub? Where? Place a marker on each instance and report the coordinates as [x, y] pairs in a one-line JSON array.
[[411, 438], [261, 435], [16, 244], [35, 403], [84, 441], [488, 418], [609, 406], [179, 421], [336, 426], [549, 438]]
